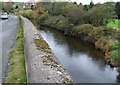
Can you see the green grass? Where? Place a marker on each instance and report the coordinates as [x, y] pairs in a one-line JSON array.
[[27, 12], [115, 23], [16, 68]]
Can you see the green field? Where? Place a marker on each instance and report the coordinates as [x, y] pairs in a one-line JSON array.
[[114, 23]]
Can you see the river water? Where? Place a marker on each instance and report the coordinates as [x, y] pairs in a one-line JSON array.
[[82, 61]]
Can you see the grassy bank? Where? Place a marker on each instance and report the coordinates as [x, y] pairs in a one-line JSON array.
[[104, 38], [16, 68], [115, 23]]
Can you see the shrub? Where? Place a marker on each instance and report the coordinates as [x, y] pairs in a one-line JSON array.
[[26, 13], [58, 22], [42, 18], [114, 45], [83, 29], [115, 54], [63, 24]]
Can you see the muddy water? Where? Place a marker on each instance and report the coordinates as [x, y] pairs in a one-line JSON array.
[[83, 62]]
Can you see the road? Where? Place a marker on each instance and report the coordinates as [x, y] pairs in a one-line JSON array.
[[8, 29]]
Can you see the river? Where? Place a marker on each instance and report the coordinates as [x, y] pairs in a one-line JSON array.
[[82, 61]]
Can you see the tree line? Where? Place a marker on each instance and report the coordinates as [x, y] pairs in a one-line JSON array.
[[95, 14]]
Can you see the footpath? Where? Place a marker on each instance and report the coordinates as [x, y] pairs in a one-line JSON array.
[[41, 64]]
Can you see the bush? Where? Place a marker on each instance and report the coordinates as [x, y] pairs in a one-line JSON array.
[[42, 18], [115, 54], [29, 14], [99, 32], [83, 29], [26, 13], [63, 24], [114, 45], [58, 22]]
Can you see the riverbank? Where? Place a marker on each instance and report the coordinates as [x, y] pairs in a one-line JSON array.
[[104, 38], [79, 57], [16, 65], [41, 64]]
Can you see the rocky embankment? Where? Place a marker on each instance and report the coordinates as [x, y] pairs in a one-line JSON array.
[[41, 64]]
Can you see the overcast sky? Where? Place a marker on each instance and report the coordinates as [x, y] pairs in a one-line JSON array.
[[78, 1]]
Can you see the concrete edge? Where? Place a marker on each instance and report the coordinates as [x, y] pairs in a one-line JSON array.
[[37, 36]]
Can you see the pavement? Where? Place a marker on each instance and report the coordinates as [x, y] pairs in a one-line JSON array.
[[41, 64], [8, 30]]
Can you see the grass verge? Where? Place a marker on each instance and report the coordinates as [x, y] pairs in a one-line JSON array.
[[16, 68]]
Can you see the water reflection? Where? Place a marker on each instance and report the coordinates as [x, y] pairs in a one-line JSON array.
[[84, 63]]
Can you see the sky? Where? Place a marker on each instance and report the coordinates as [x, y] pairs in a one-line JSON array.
[[94, 1], [78, 1]]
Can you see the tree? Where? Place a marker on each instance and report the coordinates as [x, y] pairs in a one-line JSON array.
[[117, 9], [38, 5], [91, 5], [99, 15], [16, 7], [74, 3], [57, 8], [75, 15], [32, 7], [47, 6], [86, 8], [7, 6]]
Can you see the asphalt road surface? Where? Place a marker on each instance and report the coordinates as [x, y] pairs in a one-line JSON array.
[[8, 30]]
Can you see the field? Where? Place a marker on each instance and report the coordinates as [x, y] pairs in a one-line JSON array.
[[115, 23]]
